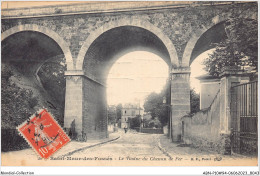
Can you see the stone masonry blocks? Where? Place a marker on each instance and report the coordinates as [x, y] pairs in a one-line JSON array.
[[73, 104], [180, 101]]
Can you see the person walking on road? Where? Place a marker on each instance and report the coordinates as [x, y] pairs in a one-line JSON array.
[[125, 129]]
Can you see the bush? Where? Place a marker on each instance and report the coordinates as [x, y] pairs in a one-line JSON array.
[[134, 122], [16, 106], [12, 141], [194, 101], [52, 78]]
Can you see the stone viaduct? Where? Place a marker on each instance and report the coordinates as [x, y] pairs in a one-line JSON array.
[[92, 36]]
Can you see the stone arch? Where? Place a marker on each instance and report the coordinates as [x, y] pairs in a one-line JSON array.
[[127, 22], [197, 34], [48, 32]]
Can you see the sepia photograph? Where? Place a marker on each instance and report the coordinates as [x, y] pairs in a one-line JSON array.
[[129, 83]]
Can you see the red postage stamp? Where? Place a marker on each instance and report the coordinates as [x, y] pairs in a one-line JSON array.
[[43, 133]]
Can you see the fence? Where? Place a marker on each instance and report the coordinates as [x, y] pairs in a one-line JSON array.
[[244, 117]]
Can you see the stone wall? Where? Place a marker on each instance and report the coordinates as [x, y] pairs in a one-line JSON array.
[[150, 130], [202, 129], [208, 93], [73, 106], [179, 24], [94, 110], [180, 100]]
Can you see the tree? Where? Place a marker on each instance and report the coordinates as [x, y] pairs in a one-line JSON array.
[[154, 123], [135, 122], [53, 80], [111, 114], [194, 101], [238, 51], [119, 111], [154, 104], [17, 104], [114, 113]]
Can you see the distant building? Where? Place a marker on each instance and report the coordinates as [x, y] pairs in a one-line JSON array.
[[130, 111], [209, 87]]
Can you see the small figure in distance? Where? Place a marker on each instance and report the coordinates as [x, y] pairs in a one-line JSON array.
[[125, 128]]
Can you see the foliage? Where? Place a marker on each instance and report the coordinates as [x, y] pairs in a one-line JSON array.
[[119, 123], [119, 111], [194, 101], [154, 123], [53, 80], [238, 51], [17, 103], [154, 104], [114, 113], [135, 122], [111, 114]]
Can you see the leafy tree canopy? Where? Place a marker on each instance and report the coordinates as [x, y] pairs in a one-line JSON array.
[[155, 104], [17, 104], [238, 51], [194, 101], [119, 111], [135, 122], [114, 113], [52, 78]]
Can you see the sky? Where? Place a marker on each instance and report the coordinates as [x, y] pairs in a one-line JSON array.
[[134, 76], [137, 74], [197, 69]]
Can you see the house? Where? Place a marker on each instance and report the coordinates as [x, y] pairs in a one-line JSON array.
[[130, 111]]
